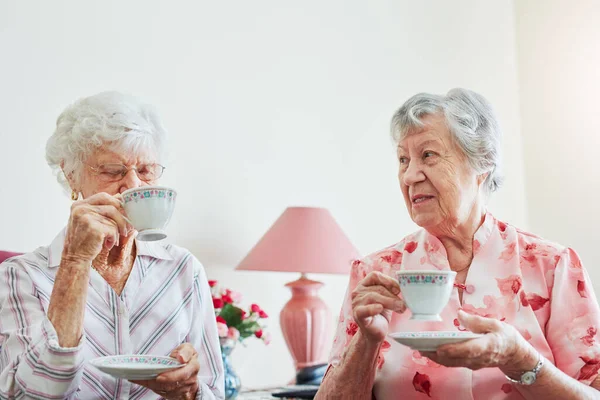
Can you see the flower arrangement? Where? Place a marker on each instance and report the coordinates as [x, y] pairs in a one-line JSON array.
[[233, 322]]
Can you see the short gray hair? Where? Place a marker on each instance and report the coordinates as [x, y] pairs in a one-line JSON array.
[[118, 121], [471, 120]]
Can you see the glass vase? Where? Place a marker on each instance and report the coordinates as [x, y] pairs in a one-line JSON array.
[[233, 383]]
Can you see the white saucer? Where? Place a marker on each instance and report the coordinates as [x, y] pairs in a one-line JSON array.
[[134, 367], [429, 341]]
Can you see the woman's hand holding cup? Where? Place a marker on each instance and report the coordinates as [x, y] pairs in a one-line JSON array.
[[373, 301]]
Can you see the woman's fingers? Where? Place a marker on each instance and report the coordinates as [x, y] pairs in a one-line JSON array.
[[389, 302], [123, 224], [375, 278], [367, 311]]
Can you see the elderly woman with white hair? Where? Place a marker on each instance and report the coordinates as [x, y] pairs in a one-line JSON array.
[[95, 290], [531, 299]]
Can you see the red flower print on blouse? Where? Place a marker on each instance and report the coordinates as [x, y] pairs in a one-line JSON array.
[[581, 289], [391, 256], [590, 369], [510, 286], [502, 228], [457, 325], [589, 339], [422, 383], [410, 247], [476, 246], [508, 253], [506, 388], [536, 301], [381, 358], [352, 328]]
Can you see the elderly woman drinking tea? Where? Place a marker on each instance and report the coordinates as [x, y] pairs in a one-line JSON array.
[[96, 290], [531, 299]]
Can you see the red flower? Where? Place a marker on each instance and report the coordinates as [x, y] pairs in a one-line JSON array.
[[590, 369], [524, 301], [258, 333], [391, 256], [410, 247], [217, 302], [588, 339], [536, 301], [212, 283], [352, 328], [227, 299], [221, 320], [262, 314], [422, 383], [510, 285], [243, 315], [255, 308], [581, 289], [502, 226]]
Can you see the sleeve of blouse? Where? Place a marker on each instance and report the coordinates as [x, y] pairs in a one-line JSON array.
[[203, 335], [32, 364], [346, 327], [572, 329]]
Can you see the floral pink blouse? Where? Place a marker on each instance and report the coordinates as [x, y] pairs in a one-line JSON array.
[[537, 286]]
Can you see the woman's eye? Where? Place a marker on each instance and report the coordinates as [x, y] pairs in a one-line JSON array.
[[403, 160], [428, 154]]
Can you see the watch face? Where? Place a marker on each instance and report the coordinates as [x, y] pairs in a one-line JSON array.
[[528, 378]]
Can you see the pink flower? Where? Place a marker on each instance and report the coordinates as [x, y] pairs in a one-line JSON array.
[[509, 286], [233, 333], [235, 296], [262, 314], [222, 329], [266, 338]]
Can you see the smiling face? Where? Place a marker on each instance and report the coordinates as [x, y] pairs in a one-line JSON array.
[[439, 186]]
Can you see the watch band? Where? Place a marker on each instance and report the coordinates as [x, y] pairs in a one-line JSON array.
[[529, 377]]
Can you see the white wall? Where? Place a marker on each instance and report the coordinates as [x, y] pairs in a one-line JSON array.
[[559, 67], [269, 105]]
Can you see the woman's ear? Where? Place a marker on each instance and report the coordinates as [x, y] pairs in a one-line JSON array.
[[69, 176]]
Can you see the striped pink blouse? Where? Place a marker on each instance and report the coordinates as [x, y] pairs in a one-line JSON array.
[[165, 302]]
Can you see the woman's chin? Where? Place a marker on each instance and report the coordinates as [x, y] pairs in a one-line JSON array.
[[426, 219]]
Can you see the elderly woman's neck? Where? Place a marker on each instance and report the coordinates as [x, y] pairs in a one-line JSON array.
[[457, 238]]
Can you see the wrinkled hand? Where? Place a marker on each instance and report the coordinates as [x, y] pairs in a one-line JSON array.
[[95, 223], [181, 383], [502, 346], [373, 300]]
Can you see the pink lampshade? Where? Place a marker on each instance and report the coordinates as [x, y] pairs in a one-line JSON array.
[[303, 239]]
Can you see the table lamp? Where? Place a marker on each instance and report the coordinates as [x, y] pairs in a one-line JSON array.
[[304, 240]]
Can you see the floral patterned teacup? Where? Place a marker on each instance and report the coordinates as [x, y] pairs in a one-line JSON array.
[[149, 208], [426, 293]]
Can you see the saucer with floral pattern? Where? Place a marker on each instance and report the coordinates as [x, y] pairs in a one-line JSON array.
[[134, 367]]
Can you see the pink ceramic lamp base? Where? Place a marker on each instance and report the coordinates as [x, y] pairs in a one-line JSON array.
[[305, 320]]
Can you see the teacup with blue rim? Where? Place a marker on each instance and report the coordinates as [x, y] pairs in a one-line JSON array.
[[426, 292], [149, 208]]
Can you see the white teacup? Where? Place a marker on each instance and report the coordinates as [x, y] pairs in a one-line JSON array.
[[426, 293], [149, 208]]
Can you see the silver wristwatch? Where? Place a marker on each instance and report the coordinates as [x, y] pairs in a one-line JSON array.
[[529, 377]]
